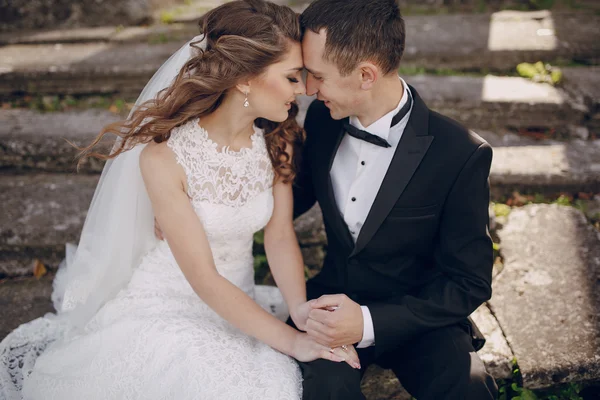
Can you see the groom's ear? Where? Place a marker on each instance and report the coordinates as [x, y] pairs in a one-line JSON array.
[[368, 74]]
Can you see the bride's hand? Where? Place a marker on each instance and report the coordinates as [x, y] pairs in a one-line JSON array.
[[299, 315], [305, 349]]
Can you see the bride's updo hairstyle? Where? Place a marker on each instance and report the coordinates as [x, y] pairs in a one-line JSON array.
[[243, 38]]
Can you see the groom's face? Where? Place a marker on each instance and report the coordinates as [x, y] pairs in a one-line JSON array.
[[341, 94]]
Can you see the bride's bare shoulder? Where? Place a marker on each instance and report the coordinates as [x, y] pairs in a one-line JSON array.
[[157, 159], [156, 153]]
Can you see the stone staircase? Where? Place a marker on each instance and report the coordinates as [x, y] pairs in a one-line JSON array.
[[545, 309]]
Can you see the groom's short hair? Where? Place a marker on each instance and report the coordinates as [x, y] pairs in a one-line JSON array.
[[358, 30]]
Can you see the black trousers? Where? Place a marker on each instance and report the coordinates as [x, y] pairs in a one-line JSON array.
[[439, 365]]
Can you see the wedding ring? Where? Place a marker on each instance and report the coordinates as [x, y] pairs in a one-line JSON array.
[[344, 347], [331, 350]]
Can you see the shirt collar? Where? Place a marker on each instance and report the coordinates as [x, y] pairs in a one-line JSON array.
[[381, 127]]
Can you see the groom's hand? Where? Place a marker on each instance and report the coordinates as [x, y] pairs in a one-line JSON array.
[[335, 320]]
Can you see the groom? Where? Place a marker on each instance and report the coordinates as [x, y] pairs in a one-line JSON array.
[[404, 194]]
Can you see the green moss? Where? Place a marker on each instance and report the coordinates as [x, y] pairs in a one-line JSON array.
[[501, 210]]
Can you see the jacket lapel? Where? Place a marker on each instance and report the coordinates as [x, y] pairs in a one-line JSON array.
[[411, 149], [334, 135]]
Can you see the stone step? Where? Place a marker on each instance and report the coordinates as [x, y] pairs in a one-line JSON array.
[[116, 62], [513, 103], [546, 299], [35, 205], [80, 68], [492, 42], [40, 213], [485, 102], [569, 167], [494, 106], [33, 140], [22, 300], [108, 34]]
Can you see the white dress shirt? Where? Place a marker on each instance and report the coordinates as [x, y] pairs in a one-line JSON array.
[[357, 172]]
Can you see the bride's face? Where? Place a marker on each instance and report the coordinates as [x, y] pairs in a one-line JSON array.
[[271, 93]]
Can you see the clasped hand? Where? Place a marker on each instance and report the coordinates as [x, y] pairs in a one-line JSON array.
[[331, 320]]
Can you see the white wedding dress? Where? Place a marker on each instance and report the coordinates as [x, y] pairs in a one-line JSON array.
[[157, 339]]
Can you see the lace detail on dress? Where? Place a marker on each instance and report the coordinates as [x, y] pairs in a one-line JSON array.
[[221, 176]]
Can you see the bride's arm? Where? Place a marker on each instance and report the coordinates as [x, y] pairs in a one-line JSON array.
[[165, 183], [283, 252]]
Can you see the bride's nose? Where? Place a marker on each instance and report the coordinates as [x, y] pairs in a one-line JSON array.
[[300, 88]]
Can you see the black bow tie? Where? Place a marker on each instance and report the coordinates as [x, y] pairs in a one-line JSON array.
[[374, 139]]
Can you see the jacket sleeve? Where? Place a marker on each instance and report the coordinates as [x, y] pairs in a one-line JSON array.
[[464, 256]]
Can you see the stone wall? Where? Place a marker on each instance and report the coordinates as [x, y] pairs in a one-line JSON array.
[[24, 15]]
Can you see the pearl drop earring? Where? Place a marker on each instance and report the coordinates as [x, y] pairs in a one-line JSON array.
[[246, 103]]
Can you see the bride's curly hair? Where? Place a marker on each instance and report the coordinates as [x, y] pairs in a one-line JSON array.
[[243, 38]]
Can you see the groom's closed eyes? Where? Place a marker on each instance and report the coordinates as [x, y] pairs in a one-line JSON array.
[[315, 74]]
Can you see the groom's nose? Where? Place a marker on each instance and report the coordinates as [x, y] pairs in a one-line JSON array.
[[311, 86]]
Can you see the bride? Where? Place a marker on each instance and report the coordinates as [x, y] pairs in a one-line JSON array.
[[211, 155]]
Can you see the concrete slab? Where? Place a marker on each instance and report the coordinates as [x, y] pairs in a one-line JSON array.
[[152, 34], [496, 353], [546, 299], [494, 42], [39, 214], [75, 35], [382, 384], [51, 198], [584, 85], [571, 167], [33, 140], [490, 103], [81, 68], [22, 300], [499, 41], [495, 102], [584, 82]]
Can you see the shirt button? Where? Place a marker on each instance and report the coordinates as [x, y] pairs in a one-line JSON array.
[[353, 232], [362, 163], [354, 199]]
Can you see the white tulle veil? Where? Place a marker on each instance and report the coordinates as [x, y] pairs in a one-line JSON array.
[[119, 228], [118, 231]]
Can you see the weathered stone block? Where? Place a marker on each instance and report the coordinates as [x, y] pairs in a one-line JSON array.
[[39, 215], [22, 300], [46, 14], [546, 299]]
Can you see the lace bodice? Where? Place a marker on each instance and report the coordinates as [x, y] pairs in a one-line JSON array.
[[221, 176], [231, 192]]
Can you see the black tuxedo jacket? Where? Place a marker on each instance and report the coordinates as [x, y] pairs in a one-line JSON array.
[[423, 258]]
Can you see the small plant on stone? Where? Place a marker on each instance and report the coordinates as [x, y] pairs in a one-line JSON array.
[[540, 72]]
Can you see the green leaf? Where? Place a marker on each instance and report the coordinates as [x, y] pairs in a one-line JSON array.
[[259, 237]]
